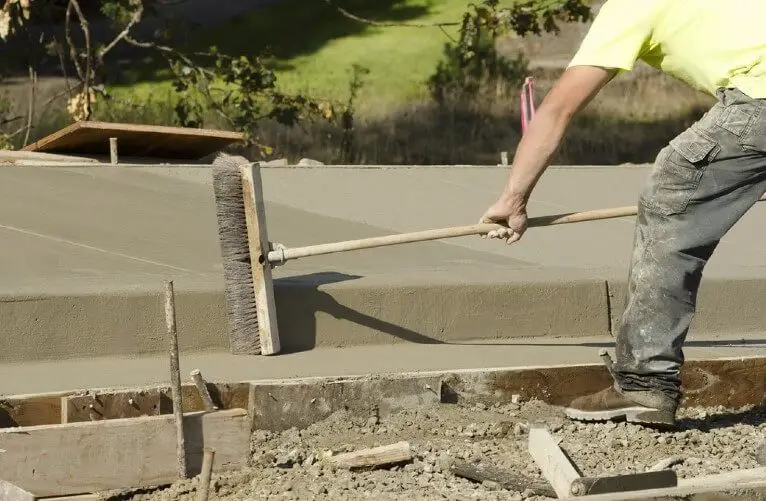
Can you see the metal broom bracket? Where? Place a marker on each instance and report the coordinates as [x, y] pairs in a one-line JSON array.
[[278, 250]]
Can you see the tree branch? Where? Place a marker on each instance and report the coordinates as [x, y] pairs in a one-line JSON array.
[[75, 4], [70, 42], [11, 120], [32, 92], [137, 15], [379, 24]]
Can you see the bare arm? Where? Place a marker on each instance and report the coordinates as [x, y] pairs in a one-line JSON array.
[[572, 92]]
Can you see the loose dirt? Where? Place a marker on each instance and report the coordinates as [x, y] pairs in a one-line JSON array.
[[289, 465]]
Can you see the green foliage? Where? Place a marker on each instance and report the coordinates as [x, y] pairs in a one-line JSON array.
[[243, 91], [472, 61]]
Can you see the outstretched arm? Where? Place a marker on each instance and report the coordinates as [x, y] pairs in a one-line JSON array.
[[572, 92]]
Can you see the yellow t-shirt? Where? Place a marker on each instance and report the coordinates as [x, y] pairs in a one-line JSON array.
[[708, 44]]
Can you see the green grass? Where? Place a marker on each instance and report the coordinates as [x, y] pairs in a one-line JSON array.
[[314, 46]]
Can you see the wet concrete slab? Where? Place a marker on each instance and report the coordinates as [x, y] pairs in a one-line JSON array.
[[86, 250]]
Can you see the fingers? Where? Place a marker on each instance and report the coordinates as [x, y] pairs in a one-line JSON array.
[[507, 234]]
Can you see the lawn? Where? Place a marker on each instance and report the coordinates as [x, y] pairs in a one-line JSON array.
[[314, 46]]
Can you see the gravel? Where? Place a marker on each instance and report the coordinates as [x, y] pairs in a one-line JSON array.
[[289, 465]]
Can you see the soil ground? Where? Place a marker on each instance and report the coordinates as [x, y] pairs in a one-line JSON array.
[[290, 465]]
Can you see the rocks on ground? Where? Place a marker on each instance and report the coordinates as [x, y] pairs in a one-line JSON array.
[[290, 465]]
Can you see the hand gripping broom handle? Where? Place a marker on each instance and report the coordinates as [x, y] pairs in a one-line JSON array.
[[280, 256]]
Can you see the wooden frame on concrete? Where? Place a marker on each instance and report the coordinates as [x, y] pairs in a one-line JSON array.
[[60, 417], [77, 458]]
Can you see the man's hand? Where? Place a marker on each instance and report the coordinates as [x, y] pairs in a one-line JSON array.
[[507, 213]]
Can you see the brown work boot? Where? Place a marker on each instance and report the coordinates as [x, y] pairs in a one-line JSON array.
[[610, 404]]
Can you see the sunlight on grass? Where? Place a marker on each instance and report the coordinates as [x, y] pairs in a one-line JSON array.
[[315, 47]]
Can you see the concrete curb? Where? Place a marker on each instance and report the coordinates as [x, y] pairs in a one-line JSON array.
[[116, 323]]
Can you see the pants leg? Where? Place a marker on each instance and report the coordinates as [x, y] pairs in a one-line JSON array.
[[701, 185]]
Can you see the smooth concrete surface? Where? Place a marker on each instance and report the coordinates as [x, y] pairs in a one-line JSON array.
[[117, 372], [86, 250]]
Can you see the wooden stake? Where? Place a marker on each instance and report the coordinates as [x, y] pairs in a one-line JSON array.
[[377, 456], [199, 382], [205, 474], [175, 377], [113, 155], [255, 213], [554, 465]]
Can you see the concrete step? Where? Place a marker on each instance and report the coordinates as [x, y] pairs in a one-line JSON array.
[[218, 366]]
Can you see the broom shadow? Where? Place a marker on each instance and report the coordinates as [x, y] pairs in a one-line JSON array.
[[299, 299]]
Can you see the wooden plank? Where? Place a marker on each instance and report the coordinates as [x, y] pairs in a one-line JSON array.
[[91, 137], [224, 395], [10, 492], [47, 408], [96, 456], [374, 456], [30, 410], [728, 382], [255, 213], [30, 157], [118, 405], [278, 405], [553, 463]]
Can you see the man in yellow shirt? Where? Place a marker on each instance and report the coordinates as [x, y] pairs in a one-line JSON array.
[[702, 183]]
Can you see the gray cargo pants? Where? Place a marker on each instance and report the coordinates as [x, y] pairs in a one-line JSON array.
[[701, 185]]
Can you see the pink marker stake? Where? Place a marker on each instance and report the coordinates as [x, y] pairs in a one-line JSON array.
[[527, 103]]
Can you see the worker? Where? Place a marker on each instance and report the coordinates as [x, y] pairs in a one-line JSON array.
[[700, 185]]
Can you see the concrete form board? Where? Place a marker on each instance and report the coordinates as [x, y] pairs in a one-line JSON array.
[[283, 404], [86, 250]]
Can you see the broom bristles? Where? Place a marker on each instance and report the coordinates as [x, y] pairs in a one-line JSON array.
[[241, 310]]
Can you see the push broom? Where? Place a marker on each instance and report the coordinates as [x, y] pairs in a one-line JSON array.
[[248, 256]]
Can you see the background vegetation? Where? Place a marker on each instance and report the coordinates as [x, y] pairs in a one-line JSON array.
[[351, 81]]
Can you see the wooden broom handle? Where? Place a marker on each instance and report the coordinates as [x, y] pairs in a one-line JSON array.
[[280, 256]]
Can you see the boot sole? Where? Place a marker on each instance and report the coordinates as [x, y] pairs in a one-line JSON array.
[[641, 415]]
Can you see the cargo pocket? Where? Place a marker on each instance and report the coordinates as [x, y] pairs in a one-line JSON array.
[[677, 173]]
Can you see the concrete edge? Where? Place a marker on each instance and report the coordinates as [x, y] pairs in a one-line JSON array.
[[724, 305], [131, 323]]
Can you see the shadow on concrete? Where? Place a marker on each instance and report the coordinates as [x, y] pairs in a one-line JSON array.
[[300, 299]]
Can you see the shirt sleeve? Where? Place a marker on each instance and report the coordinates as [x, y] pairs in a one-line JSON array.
[[620, 33]]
